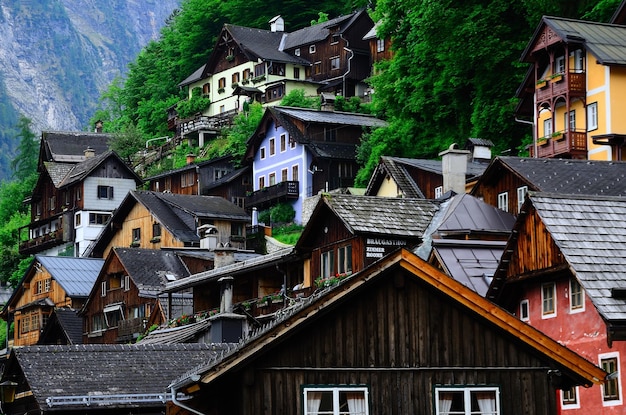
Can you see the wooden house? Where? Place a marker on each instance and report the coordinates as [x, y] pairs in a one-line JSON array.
[[72, 201], [98, 379], [573, 87], [348, 233], [49, 283], [70, 146], [397, 337], [562, 271], [64, 326], [506, 180], [250, 64], [297, 152], [127, 296], [156, 220]]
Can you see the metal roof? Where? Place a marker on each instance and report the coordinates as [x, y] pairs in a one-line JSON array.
[[75, 275], [331, 117]]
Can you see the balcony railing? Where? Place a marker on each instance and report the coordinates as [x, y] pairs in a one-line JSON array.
[[275, 193], [202, 122], [130, 327], [573, 83], [44, 239], [571, 144]]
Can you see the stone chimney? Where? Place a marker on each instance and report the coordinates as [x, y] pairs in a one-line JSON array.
[[191, 158], [226, 326], [277, 24], [454, 168], [480, 148], [226, 294], [224, 255], [89, 152]]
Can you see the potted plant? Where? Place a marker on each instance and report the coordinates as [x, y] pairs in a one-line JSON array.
[[556, 77], [541, 83], [558, 135], [542, 141]]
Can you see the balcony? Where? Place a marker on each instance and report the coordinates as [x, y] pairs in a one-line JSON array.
[[571, 144], [573, 84], [130, 329], [267, 196], [40, 236], [202, 122]]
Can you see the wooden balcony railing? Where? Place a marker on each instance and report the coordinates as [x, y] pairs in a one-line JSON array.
[[573, 83], [44, 241], [271, 194], [202, 122], [571, 144]]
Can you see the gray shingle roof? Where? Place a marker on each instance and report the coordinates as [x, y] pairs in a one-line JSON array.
[[321, 31], [331, 117], [569, 176], [75, 275], [68, 322], [607, 42], [81, 370], [263, 44], [149, 268], [58, 171], [474, 169], [382, 215], [590, 232], [181, 334], [68, 146]]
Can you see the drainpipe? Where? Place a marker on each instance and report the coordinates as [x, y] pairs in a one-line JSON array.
[[180, 404], [534, 133]]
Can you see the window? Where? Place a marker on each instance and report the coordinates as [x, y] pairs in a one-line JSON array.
[[296, 73], [219, 173], [335, 62], [467, 401], [283, 143], [222, 109], [327, 265], [52, 202], [113, 315], [297, 52], [579, 60], [548, 300], [136, 234], [312, 49], [330, 134], [38, 208], [77, 194], [559, 64], [277, 69], [98, 218], [611, 390], [503, 201], [521, 196], [77, 220], [97, 322], [272, 146], [272, 179], [345, 400], [262, 153], [206, 89], [187, 179], [105, 192], [294, 172], [576, 296], [246, 74], [438, 192], [569, 398], [344, 169], [292, 142], [570, 120], [275, 92], [239, 201], [261, 182], [168, 184], [592, 116], [235, 78], [547, 127], [334, 38], [103, 289], [236, 229], [317, 68], [126, 282], [221, 84], [344, 256], [380, 45], [524, 312], [156, 230], [283, 175], [259, 69]]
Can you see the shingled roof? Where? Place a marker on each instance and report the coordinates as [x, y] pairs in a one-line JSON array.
[[68, 146], [65, 325], [567, 176], [122, 376]]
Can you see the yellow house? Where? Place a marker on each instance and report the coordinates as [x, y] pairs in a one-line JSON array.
[[574, 89]]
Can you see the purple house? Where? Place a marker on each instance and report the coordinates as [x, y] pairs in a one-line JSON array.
[[297, 152]]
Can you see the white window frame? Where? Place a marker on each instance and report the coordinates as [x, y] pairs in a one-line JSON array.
[[103, 289], [308, 410], [272, 146], [335, 62], [271, 178], [547, 128], [296, 52], [344, 259], [283, 143], [524, 310], [312, 49], [568, 404], [126, 282], [559, 64], [618, 379], [380, 45], [592, 116], [574, 284], [521, 195], [327, 263], [262, 153], [579, 60], [438, 192], [467, 391], [544, 313], [570, 121], [503, 201], [284, 174], [77, 220]]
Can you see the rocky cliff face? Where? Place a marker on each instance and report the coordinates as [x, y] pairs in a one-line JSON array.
[[56, 56]]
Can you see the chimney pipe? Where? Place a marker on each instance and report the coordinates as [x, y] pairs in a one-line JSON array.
[[191, 158], [226, 292], [454, 168], [89, 152]]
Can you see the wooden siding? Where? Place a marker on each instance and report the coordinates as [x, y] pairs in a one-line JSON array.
[[427, 182], [174, 183], [400, 339], [500, 181]]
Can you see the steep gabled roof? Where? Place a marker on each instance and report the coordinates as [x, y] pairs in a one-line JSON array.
[[124, 376], [292, 322], [70, 146], [75, 275], [63, 322], [262, 44], [591, 236], [607, 42], [568, 176], [466, 214], [320, 31]]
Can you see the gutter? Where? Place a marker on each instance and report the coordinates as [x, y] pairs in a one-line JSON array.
[[181, 405]]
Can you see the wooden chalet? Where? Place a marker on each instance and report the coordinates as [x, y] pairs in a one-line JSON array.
[[156, 220], [380, 47], [49, 283], [346, 233], [250, 64], [297, 152], [397, 337], [562, 271], [72, 201], [98, 379], [64, 326], [127, 296], [506, 180]]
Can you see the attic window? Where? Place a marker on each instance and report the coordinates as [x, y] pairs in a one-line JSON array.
[[312, 49], [334, 39], [297, 52]]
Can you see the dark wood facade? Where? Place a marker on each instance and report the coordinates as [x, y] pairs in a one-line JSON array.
[[400, 337], [500, 180]]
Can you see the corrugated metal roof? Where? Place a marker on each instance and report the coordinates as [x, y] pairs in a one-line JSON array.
[[332, 117], [590, 232], [75, 275]]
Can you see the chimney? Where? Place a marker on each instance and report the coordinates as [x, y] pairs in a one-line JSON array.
[[277, 24], [226, 293], [224, 255], [99, 126], [454, 168], [191, 158], [89, 152], [227, 327], [480, 148]]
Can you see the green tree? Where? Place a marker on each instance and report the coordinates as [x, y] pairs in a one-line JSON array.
[[127, 143], [25, 162], [297, 98]]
